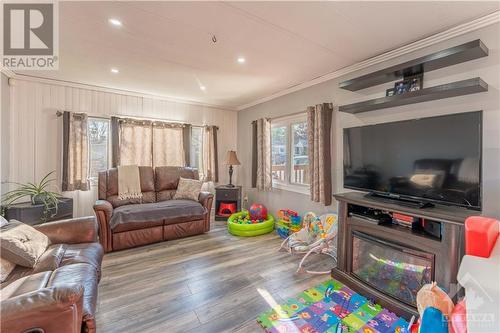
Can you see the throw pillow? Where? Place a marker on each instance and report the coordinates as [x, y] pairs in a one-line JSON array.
[[3, 221], [188, 189], [6, 268], [22, 244]]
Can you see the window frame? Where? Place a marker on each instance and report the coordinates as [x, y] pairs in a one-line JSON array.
[[288, 185], [94, 180]]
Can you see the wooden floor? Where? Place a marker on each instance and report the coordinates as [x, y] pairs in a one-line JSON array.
[[208, 283]]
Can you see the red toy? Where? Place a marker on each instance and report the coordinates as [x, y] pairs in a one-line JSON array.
[[481, 235], [258, 212]]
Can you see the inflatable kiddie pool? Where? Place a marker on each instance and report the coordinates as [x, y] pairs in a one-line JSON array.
[[249, 230]]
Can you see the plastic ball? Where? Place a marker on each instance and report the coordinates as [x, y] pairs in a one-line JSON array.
[[258, 212]]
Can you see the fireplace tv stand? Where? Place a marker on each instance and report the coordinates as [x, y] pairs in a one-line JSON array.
[[360, 239]]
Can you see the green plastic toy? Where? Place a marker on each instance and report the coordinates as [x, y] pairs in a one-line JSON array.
[[239, 224]]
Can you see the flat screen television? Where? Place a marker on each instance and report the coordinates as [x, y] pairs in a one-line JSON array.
[[435, 160]]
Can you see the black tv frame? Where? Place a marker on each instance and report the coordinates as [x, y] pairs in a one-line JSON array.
[[420, 202]]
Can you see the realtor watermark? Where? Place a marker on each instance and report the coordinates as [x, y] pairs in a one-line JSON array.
[[482, 313], [30, 35]]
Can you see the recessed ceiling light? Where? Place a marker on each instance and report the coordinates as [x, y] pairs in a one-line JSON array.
[[203, 88], [115, 70], [115, 22], [241, 60]]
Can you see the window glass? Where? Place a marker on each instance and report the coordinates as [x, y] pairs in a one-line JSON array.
[[279, 152], [98, 133], [196, 147], [300, 161]]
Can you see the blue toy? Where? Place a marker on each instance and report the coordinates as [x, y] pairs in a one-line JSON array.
[[433, 321]]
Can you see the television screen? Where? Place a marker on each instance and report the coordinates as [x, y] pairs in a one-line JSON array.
[[435, 159]]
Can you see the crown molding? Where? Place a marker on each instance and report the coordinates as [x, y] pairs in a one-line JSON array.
[[21, 77], [456, 31], [7, 72]]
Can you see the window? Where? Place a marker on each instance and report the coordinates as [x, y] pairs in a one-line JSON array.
[[278, 148], [98, 134], [290, 161], [196, 147]]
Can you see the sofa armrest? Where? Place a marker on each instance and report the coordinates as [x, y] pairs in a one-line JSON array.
[[103, 211], [71, 231], [56, 309], [206, 199]]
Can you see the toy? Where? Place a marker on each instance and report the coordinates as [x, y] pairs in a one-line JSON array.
[[288, 222], [295, 223], [285, 215], [430, 295], [318, 235], [459, 318], [240, 224], [433, 321], [258, 212], [282, 229]]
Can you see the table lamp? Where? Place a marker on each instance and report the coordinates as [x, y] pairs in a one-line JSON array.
[[231, 159]]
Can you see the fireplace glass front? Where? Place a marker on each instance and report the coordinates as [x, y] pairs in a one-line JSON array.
[[390, 268]]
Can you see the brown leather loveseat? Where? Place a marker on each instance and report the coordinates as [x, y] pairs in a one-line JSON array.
[[59, 294], [153, 218]]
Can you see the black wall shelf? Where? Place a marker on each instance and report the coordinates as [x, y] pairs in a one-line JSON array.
[[448, 57], [458, 88]]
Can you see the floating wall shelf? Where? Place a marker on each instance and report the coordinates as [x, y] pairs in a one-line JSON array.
[[451, 56], [459, 88]]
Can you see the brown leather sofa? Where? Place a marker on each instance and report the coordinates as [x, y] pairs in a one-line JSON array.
[[153, 218], [60, 293]]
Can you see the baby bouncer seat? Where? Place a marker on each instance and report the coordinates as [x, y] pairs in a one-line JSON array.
[[318, 235]]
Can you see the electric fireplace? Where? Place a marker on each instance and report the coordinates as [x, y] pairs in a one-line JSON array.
[[389, 263], [392, 269]]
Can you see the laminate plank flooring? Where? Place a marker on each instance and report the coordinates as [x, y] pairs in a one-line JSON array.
[[209, 283]]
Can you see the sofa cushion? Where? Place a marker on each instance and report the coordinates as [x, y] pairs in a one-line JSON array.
[[50, 259], [89, 253], [25, 284], [167, 177], [147, 187], [22, 244], [188, 189], [6, 267], [132, 217]]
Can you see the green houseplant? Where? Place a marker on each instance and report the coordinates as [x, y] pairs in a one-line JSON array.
[[39, 193]]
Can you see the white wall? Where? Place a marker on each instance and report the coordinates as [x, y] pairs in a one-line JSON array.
[[486, 68], [36, 133]]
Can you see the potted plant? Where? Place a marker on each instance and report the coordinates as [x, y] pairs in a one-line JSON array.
[[39, 193]]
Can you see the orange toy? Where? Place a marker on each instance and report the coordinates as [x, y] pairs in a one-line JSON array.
[[430, 295]]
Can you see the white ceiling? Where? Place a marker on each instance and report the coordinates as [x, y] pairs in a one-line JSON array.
[[165, 48]]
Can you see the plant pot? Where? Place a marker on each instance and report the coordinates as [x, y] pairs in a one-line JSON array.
[[38, 199]]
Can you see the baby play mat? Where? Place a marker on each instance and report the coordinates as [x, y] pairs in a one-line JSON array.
[[330, 307]]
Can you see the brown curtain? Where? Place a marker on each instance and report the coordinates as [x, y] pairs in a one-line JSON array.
[[262, 151], [136, 142], [75, 152], [319, 125], [186, 142], [254, 153], [209, 169], [168, 144], [115, 142]]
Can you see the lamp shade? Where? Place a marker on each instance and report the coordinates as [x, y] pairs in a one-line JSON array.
[[231, 158]]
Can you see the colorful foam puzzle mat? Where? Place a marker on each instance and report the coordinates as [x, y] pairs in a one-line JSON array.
[[331, 307]]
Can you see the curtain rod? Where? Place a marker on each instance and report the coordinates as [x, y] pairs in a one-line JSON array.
[[285, 116], [60, 113]]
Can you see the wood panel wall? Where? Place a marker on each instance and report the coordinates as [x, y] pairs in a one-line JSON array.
[[35, 132]]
